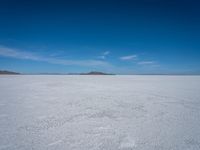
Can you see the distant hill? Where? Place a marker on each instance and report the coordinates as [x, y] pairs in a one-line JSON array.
[[95, 73], [4, 72]]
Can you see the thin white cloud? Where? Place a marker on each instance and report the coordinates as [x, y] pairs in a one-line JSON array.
[[146, 63], [8, 52], [104, 55], [129, 57], [17, 54]]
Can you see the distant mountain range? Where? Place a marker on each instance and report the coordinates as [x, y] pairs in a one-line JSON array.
[[5, 72], [95, 73], [88, 73], [2, 72]]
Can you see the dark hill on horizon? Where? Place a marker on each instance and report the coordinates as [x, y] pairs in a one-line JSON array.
[[95, 73], [5, 72]]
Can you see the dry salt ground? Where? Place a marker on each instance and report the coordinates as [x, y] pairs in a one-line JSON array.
[[47, 112]]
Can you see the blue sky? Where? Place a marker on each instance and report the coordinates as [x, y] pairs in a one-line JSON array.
[[125, 37]]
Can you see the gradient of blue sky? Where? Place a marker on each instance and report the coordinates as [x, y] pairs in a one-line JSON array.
[[146, 36]]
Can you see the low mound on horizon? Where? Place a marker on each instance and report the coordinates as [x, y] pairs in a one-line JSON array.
[[95, 73], [4, 72]]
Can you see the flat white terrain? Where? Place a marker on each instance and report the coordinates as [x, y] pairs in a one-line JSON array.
[[55, 112]]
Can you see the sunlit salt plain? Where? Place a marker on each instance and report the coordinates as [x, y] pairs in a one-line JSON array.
[[58, 112]]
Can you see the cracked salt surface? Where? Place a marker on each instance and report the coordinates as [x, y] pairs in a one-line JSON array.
[[55, 143], [127, 143], [99, 112]]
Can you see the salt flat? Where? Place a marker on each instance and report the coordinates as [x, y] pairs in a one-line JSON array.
[[55, 112]]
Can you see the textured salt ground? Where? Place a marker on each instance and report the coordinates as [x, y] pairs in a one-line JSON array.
[[99, 112]]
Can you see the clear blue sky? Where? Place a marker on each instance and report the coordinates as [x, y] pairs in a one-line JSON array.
[[126, 37]]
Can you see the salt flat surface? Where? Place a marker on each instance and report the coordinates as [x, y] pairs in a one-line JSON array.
[[99, 112]]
